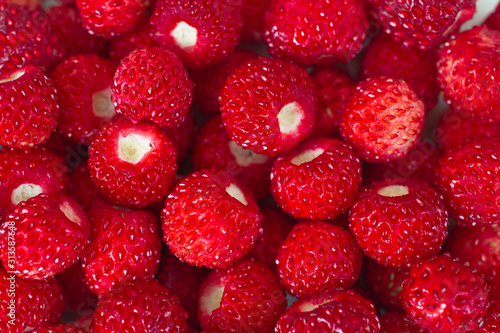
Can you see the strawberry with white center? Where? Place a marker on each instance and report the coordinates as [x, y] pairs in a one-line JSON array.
[[268, 106], [132, 164]]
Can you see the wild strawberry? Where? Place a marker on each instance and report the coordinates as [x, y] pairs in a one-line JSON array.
[[183, 136], [386, 283], [492, 319], [383, 119], [200, 32], [319, 33], [268, 106], [445, 296], [246, 297], [467, 176], [60, 328], [153, 84], [213, 148], [28, 107], [124, 246], [77, 296], [253, 13], [82, 188], [132, 164], [83, 86], [493, 21], [398, 322], [139, 38], [204, 208], [342, 311], [398, 222]]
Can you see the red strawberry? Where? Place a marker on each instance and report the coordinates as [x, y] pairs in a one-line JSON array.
[[469, 72], [383, 119], [386, 283], [82, 188], [467, 177], [319, 33], [153, 84], [253, 13], [200, 32], [399, 322], [492, 319], [132, 164], [183, 136], [424, 24], [139, 38], [60, 328], [77, 295], [317, 180], [213, 148], [29, 4], [445, 296], [210, 219], [246, 297], [144, 306], [318, 257], [398, 222], [493, 21], [268, 106], [342, 311], [83, 86], [28, 107], [124, 246]]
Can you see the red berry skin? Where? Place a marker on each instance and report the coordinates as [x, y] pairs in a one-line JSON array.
[[122, 173], [253, 14], [317, 180], [83, 86], [152, 84], [319, 33], [423, 24], [28, 4], [398, 222], [467, 178], [386, 283], [318, 257], [468, 72], [60, 328], [183, 136], [144, 306], [37, 303], [204, 208], [493, 21], [398, 322], [214, 149], [445, 296], [139, 38], [82, 188], [342, 311], [268, 106], [250, 298], [77, 296], [28, 107], [124, 246], [61, 234], [383, 119], [492, 319]]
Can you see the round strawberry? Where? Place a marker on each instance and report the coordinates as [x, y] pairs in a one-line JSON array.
[[445, 296], [383, 119], [210, 219], [398, 322], [398, 222], [183, 136], [493, 21], [133, 164], [492, 319], [319, 33], [342, 311], [317, 180], [467, 177], [60, 328], [246, 297], [139, 38], [152, 84], [253, 14], [83, 86], [82, 188], [144, 306], [268, 106], [28, 107], [318, 257], [77, 296], [124, 246], [200, 32], [386, 283]]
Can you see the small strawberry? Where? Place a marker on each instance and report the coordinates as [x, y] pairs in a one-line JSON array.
[[139, 38], [77, 296], [492, 319], [60, 328], [399, 322], [253, 13], [493, 21], [183, 136], [386, 283], [82, 188]]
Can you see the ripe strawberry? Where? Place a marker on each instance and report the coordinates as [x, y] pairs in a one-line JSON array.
[[268, 106], [183, 136], [200, 32], [28, 107], [60, 328], [399, 222], [246, 297], [383, 119], [213, 148], [133, 164], [318, 257], [398, 322], [467, 177], [77, 296], [386, 283], [253, 14], [153, 84], [139, 38], [319, 33], [424, 24], [445, 296], [28, 4], [469, 72], [493, 21], [492, 319], [210, 219], [144, 306], [342, 311], [83, 86], [124, 246], [81, 188]]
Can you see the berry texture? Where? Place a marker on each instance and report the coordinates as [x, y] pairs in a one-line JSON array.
[[386, 283], [82, 188], [253, 14], [397, 322], [183, 136], [139, 38], [60, 328], [77, 296], [492, 319]]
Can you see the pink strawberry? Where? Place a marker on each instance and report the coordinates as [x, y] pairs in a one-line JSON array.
[[253, 13], [398, 322], [82, 188], [386, 283], [60, 328], [493, 21], [139, 38], [77, 296]]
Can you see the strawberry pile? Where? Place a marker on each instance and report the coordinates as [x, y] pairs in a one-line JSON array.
[[249, 166]]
